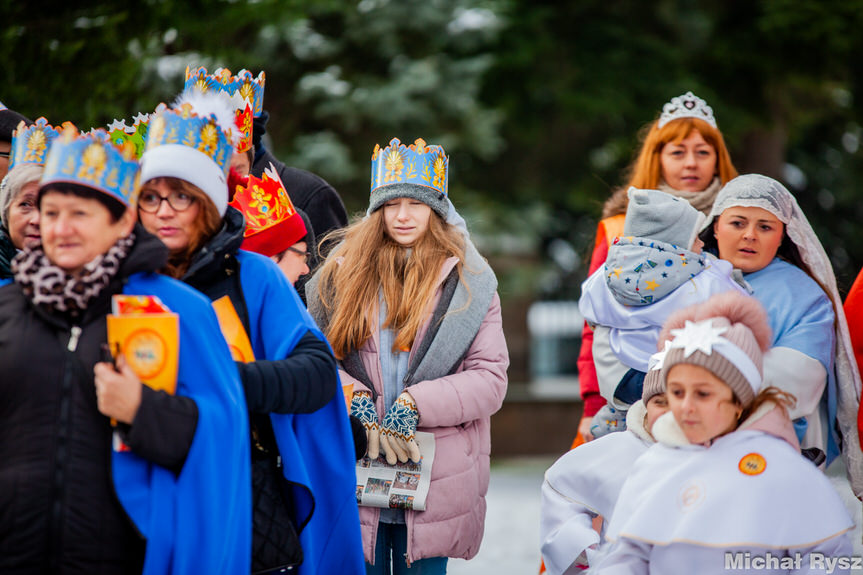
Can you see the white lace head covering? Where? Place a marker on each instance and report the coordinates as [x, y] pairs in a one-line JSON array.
[[754, 190]]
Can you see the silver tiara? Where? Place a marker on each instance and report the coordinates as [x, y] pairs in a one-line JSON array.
[[686, 106]]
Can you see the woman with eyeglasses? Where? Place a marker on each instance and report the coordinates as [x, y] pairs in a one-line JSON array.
[[294, 260], [274, 227], [19, 212], [303, 481]]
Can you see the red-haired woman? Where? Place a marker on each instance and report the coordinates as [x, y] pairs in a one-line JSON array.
[[683, 154]]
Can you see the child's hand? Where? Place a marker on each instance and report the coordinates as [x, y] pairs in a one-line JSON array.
[[584, 428]]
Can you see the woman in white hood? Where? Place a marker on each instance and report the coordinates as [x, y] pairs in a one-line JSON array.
[[757, 225]]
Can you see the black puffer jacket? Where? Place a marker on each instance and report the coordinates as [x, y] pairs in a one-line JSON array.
[[58, 509], [7, 252], [308, 192], [303, 382]]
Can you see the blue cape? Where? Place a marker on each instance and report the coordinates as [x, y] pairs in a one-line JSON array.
[[317, 448], [201, 520], [802, 318]]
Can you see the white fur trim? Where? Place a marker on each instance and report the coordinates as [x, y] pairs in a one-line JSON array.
[[217, 104], [635, 421], [185, 163], [667, 432]]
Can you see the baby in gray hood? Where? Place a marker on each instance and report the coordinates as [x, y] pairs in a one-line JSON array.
[[659, 249], [654, 269]]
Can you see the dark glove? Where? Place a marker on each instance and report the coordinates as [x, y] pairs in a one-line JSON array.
[[361, 442]]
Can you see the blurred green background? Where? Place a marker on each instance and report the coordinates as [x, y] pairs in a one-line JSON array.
[[539, 104]]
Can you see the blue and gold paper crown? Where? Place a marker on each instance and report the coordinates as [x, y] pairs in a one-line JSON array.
[[418, 164], [3, 106], [244, 90], [183, 127], [91, 160], [30, 144], [249, 88]]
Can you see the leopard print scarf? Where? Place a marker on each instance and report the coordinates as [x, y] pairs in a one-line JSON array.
[[50, 287]]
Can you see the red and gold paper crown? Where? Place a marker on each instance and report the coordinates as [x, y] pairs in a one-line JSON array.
[[246, 93], [272, 223]]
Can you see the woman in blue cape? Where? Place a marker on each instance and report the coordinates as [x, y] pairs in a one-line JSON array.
[[100, 473], [757, 225], [303, 467]]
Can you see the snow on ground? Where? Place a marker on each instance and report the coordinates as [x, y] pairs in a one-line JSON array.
[[836, 473], [511, 542]]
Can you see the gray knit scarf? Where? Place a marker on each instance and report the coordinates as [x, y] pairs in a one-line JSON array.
[[701, 201], [451, 331], [50, 287]]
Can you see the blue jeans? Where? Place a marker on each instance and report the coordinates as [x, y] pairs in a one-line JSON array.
[[393, 539]]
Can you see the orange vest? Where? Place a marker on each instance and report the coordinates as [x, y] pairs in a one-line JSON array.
[[609, 228]]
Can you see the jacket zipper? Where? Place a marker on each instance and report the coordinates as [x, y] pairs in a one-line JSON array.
[[409, 528], [73, 338], [62, 448]]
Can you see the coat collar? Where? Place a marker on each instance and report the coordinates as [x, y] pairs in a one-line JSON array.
[[207, 262]]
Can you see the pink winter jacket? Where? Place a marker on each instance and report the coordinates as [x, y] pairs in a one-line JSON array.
[[457, 409]]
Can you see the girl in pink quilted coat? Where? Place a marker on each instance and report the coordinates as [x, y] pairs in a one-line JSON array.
[[412, 312]]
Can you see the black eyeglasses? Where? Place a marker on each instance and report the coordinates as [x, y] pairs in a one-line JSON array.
[[150, 202], [306, 255], [5, 154]]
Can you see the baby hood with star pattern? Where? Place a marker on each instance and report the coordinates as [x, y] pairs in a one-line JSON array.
[[641, 271], [644, 284]]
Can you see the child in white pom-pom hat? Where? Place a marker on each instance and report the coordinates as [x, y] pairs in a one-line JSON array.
[[585, 482], [725, 483]]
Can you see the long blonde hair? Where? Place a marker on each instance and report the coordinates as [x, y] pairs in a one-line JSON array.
[[646, 171], [367, 263], [204, 226]]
